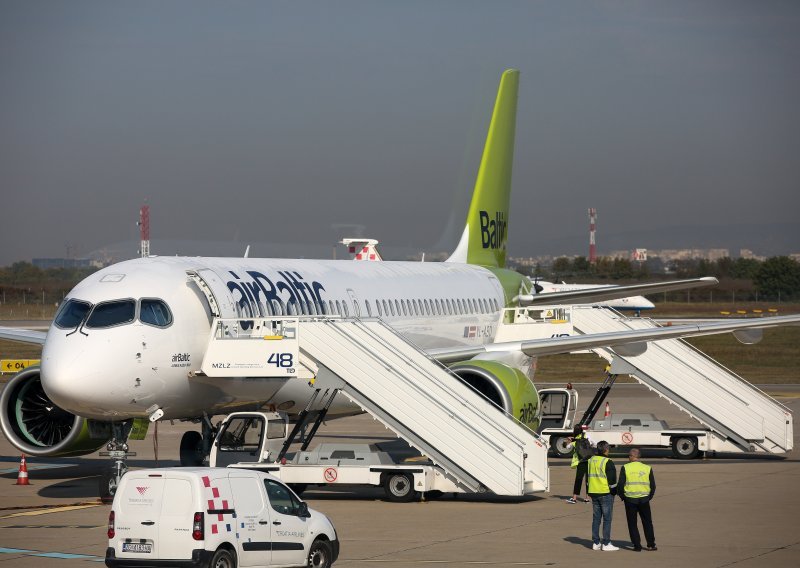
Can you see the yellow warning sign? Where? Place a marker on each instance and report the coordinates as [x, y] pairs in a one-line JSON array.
[[16, 365]]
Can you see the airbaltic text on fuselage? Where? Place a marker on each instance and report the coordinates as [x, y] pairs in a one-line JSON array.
[[493, 231], [259, 291]]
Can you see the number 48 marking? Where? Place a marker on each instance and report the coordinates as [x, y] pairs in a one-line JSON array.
[[281, 359]]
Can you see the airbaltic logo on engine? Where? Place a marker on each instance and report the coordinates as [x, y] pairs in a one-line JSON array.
[[493, 231], [263, 296]]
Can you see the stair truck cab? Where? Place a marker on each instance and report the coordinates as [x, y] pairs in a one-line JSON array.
[[215, 517]]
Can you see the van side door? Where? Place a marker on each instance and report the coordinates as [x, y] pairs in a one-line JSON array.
[[253, 528], [289, 530]]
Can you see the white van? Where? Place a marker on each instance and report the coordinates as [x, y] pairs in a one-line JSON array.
[[215, 517]]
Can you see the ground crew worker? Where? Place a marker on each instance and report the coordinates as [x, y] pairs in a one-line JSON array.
[[638, 487], [578, 464], [601, 485]]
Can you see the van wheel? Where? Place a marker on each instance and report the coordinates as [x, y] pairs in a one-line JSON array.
[[560, 446], [320, 554], [399, 487], [222, 559], [191, 451], [685, 448]]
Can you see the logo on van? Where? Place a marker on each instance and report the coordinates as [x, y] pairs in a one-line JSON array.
[[142, 490]]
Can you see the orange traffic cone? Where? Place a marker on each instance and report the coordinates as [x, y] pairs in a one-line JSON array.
[[22, 476], [608, 411]]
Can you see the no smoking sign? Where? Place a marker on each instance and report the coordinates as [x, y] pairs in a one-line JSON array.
[[330, 474]]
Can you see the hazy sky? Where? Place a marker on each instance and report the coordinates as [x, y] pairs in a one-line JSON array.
[[271, 121]]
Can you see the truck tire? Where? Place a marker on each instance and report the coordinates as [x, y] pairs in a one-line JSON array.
[[399, 487], [222, 559], [320, 555], [685, 447], [559, 445], [191, 451]]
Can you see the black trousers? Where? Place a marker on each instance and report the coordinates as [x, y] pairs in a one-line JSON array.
[[632, 509], [580, 472]]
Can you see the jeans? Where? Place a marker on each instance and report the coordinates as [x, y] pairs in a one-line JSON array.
[[602, 508]]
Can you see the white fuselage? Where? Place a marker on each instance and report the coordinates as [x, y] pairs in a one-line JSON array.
[[128, 370]]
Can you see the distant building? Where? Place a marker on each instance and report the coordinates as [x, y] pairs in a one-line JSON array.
[[46, 263]]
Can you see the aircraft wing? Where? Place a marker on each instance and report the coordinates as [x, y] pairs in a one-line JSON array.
[[23, 335], [626, 342], [602, 293]]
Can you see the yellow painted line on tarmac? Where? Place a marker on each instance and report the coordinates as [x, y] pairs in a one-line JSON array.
[[47, 511]]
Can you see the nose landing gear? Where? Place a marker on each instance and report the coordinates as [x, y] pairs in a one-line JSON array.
[[117, 450]]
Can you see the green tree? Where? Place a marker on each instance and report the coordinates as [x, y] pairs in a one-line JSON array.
[[778, 278]]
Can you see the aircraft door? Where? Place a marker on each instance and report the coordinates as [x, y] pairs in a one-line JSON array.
[[216, 291], [356, 308], [558, 408]]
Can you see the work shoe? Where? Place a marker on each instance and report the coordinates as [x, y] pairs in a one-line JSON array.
[[586, 500], [597, 546], [637, 548], [652, 548], [609, 547], [571, 501]]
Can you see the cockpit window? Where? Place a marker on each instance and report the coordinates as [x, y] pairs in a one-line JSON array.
[[109, 314], [155, 312], [71, 314]]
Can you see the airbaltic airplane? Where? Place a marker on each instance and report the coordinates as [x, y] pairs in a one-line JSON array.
[[634, 303], [127, 341]]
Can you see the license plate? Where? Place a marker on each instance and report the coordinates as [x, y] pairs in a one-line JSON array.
[[143, 547]]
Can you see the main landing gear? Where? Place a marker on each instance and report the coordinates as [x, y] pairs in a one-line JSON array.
[[196, 446], [117, 450]]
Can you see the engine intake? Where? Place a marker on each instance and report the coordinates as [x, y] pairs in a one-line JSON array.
[[37, 427]]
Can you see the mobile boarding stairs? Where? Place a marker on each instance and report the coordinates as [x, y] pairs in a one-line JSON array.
[[475, 444], [739, 417]]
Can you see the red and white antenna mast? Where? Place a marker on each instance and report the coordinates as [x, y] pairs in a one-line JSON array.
[[144, 230], [592, 230]]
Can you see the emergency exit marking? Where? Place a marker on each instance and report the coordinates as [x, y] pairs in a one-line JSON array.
[[331, 474], [627, 438]]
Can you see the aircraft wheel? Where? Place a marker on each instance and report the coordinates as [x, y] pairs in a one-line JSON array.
[[560, 446], [685, 447], [109, 481], [399, 487], [192, 449]]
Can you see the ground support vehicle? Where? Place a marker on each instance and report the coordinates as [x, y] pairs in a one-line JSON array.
[[216, 517], [258, 440]]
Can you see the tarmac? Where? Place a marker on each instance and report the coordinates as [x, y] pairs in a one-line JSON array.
[[723, 511]]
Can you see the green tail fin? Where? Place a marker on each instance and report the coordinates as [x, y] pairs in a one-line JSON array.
[[484, 239]]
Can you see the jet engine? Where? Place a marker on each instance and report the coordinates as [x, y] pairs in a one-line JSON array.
[[37, 427], [506, 386]]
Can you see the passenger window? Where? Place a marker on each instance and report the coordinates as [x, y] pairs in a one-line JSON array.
[[280, 498], [155, 312], [109, 314], [71, 314]]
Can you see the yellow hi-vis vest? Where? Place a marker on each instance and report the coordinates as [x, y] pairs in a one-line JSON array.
[[598, 482], [575, 458], [637, 479]]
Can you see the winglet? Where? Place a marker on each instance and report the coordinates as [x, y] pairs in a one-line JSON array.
[[484, 239]]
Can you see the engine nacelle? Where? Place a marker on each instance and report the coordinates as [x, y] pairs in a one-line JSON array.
[[506, 386], [37, 427]]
